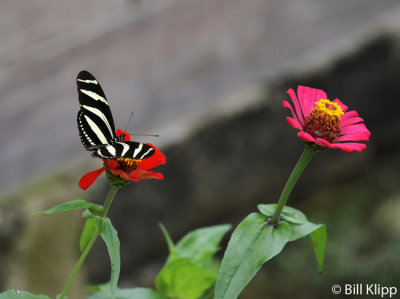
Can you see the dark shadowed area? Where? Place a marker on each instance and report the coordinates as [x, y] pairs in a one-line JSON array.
[[224, 170]]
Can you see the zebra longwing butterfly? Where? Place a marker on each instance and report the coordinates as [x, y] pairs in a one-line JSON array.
[[96, 124]]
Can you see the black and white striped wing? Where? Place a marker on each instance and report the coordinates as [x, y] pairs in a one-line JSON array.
[[96, 124], [125, 149], [95, 121]]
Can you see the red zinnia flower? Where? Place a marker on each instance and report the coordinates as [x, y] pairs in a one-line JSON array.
[[326, 123], [127, 169]]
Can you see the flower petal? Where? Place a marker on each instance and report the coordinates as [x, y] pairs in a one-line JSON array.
[[111, 164], [286, 104], [324, 143], [127, 136], [305, 136], [145, 175], [158, 158], [296, 103], [294, 123], [356, 128], [352, 127], [88, 179], [355, 132], [308, 96], [350, 147], [363, 136], [343, 106], [348, 115], [350, 121]]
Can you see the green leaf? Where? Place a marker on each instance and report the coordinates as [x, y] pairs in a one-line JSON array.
[[289, 214], [136, 293], [88, 230], [76, 204], [201, 244], [88, 214], [15, 294], [301, 230], [170, 243], [110, 237], [187, 272], [98, 287], [318, 238], [301, 227], [184, 280], [252, 244], [209, 294]]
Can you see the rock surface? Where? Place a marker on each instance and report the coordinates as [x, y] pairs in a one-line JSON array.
[[173, 63]]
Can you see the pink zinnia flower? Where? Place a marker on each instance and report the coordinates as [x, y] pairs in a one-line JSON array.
[[326, 123]]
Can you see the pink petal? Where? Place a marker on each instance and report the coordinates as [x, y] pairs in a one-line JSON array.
[[323, 142], [348, 115], [356, 128], [343, 106], [350, 147], [364, 136], [350, 121], [294, 123], [286, 104], [308, 96], [356, 132], [296, 104], [305, 136]]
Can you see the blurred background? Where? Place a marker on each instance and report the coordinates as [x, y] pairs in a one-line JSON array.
[[209, 77]]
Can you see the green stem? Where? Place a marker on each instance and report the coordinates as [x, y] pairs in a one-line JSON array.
[[79, 264], [109, 199], [305, 158], [110, 196]]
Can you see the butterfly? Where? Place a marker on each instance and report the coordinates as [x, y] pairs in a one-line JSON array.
[[96, 124]]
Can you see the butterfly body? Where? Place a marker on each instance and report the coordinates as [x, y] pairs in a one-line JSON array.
[[96, 124]]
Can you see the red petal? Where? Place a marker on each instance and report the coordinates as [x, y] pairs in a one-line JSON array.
[[152, 175], [111, 163], [141, 174], [158, 158], [127, 136], [88, 179]]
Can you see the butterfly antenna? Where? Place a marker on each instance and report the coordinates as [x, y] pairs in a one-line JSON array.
[[129, 121], [150, 135]]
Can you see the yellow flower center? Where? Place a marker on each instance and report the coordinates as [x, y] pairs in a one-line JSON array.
[[324, 120], [127, 164]]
